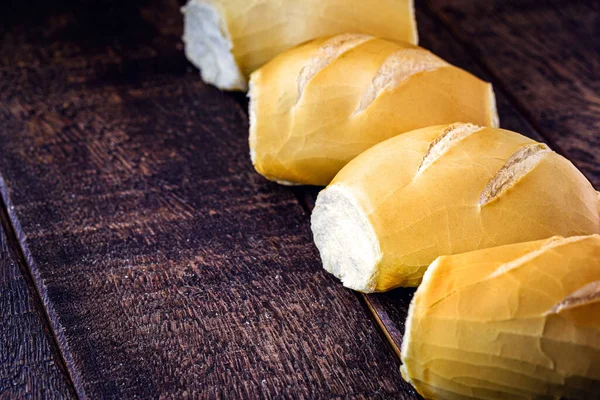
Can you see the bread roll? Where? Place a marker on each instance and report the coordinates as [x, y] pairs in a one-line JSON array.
[[445, 190], [520, 321], [228, 39], [316, 107]]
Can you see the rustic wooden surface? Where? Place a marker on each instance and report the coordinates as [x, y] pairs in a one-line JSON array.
[[29, 366], [166, 267]]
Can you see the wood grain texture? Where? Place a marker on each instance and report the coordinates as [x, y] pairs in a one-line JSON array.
[[546, 56], [29, 365], [167, 267]]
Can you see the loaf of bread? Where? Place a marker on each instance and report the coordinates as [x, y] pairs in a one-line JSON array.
[[228, 39], [445, 190], [316, 107], [520, 321]]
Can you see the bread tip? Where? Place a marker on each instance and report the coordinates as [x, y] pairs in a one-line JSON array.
[[413, 19]]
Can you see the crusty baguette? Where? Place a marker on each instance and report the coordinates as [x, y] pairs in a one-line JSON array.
[[317, 106], [228, 39], [520, 321], [445, 190]]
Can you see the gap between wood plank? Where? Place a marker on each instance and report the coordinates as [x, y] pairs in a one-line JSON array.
[[14, 247], [380, 317]]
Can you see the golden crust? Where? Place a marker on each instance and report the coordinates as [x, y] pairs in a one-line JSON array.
[[305, 130], [516, 321]]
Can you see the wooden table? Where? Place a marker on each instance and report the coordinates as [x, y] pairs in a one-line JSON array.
[[141, 255]]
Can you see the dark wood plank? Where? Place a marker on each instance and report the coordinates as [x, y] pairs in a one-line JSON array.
[[29, 364], [167, 266], [546, 56]]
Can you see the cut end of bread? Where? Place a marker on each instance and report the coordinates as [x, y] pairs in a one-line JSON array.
[[345, 238], [450, 137], [396, 69], [208, 46], [326, 54], [518, 165]]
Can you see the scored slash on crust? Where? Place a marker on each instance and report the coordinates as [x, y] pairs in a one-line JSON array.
[[326, 54], [518, 165], [587, 294], [449, 138], [396, 69], [552, 243]]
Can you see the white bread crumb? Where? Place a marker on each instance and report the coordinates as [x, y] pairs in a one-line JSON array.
[[346, 240], [208, 46]]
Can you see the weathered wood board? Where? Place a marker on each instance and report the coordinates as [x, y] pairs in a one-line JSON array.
[[165, 266]]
